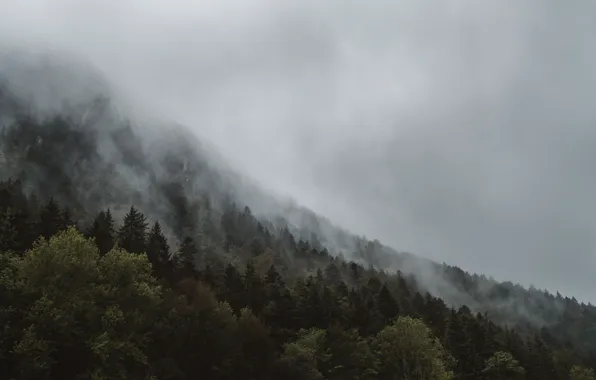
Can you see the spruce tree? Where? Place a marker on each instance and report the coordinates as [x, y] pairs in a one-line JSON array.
[[102, 230], [131, 236], [255, 294], [235, 290], [185, 257], [8, 231], [387, 304], [51, 220], [158, 250]]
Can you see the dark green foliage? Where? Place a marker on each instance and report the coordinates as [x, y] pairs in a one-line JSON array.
[[9, 239], [267, 301], [158, 252], [51, 220], [387, 304], [185, 258], [234, 291], [103, 231], [255, 290], [132, 234], [238, 324]]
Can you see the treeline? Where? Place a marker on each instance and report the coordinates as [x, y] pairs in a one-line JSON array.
[[109, 301], [312, 313], [93, 158]]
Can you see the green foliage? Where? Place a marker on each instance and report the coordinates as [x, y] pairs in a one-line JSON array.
[[350, 356], [8, 231], [301, 358], [502, 366], [73, 303], [581, 373], [52, 219], [407, 349], [185, 257], [102, 230], [259, 304], [132, 234], [158, 252]]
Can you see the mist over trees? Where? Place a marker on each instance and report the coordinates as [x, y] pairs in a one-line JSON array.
[[136, 253]]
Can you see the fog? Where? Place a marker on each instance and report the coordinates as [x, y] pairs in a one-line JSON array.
[[461, 131]]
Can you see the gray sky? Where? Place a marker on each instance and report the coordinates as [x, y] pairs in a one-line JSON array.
[[463, 131]]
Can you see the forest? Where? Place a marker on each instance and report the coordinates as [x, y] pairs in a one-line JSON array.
[[98, 281]]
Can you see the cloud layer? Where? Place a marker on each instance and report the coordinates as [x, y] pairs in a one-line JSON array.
[[462, 131]]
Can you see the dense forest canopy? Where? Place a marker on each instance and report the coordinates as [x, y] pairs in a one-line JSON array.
[[125, 257]]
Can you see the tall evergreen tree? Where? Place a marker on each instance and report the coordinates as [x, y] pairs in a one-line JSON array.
[[255, 292], [234, 289], [51, 219], [458, 343], [185, 257], [8, 231], [158, 251], [387, 304], [102, 230], [131, 236]]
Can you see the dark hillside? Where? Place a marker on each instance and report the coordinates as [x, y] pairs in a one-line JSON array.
[[303, 298]]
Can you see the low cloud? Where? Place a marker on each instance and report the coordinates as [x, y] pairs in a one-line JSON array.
[[461, 131]]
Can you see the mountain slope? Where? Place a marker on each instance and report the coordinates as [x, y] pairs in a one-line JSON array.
[[76, 146]]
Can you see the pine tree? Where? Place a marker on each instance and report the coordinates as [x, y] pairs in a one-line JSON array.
[[158, 251], [314, 307], [387, 304], [102, 230], [229, 225], [51, 220], [355, 273], [208, 277], [257, 348], [280, 313], [234, 290], [359, 313], [8, 231], [332, 274], [458, 343], [332, 312], [350, 356], [185, 258], [255, 291], [272, 277], [256, 246], [66, 219], [434, 314], [539, 364], [131, 236], [26, 224]]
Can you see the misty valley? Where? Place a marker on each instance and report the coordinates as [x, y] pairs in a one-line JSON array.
[[130, 249]]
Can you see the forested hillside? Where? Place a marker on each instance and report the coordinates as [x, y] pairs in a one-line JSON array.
[[135, 253]]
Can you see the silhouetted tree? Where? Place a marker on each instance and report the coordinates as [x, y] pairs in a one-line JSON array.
[[102, 230], [132, 234]]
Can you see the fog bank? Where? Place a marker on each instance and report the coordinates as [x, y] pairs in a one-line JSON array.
[[460, 131]]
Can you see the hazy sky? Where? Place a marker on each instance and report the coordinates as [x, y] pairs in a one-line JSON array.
[[463, 131]]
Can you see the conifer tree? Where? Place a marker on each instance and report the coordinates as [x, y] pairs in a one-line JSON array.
[[185, 258], [51, 220], [102, 230], [8, 231], [234, 290], [158, 250], [255, 295], [131, 236], [387, 304]]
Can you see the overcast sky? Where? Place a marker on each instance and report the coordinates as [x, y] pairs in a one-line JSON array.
[[463, 131]]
